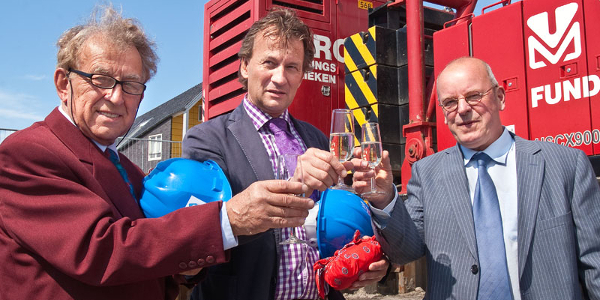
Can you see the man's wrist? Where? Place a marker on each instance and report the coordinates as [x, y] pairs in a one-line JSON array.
[[229, 239], [381, 216]]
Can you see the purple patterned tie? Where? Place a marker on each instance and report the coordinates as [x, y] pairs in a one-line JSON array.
[[286, 143], [284, 140]]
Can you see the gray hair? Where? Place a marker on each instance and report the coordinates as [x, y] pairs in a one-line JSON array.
[[111, 26]]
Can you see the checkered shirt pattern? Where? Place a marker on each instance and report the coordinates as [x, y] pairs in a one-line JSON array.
[[295, 277]]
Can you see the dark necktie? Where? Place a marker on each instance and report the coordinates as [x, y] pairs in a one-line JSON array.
[[114, 158], [493, 280]]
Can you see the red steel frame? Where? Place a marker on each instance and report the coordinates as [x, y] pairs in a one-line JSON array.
[[419, 131], [331, 21]]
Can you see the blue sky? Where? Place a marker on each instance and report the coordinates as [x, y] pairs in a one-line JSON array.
[[29, 30]]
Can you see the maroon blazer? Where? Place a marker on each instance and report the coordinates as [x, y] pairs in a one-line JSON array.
[[70, 229]]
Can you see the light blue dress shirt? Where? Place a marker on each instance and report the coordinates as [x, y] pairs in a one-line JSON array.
[[504, 174]]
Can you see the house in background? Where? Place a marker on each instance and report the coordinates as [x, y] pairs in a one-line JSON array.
[[157, 135]]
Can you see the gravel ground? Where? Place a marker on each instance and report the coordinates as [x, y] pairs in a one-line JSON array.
[[361, 294]]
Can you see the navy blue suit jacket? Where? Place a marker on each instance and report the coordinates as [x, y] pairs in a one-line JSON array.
[[232, 141]]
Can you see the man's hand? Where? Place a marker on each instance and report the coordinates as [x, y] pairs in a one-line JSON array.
[[384, 179], [267, 204], [322, 169], [376, 271]]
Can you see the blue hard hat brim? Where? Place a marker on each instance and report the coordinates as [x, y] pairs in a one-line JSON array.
[[341, 213]]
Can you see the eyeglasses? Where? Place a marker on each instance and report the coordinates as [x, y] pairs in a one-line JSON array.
[[108, 82], [451, 104]]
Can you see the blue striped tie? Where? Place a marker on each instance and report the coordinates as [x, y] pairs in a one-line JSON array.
[[114, 158], [493, 279]]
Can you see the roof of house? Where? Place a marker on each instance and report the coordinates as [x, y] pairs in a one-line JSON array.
[[156, 116]]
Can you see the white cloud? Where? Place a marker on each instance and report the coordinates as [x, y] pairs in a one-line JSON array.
[[17, 110], [35, 77], [16, 100], [11, 113]]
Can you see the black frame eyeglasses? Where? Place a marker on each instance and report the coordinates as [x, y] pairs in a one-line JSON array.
[[108, 82], [451, 104]]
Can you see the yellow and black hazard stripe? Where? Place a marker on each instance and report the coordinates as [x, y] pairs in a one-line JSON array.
[[376, 46], [360, 87], [359, 50], [360, 96], [363, 115]]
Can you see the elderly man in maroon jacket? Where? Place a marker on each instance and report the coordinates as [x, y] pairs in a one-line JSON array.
[[70, 224]]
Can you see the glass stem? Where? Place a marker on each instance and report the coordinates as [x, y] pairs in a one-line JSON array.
[[373, 182]]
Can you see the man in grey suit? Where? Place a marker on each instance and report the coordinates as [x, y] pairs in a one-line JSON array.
[[547, 205], [274, 56]]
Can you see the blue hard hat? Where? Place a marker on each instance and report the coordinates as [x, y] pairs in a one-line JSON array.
[[341, 213], [173, 182]]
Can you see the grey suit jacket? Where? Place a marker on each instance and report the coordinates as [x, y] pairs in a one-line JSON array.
[[232, 141], [558, 224]]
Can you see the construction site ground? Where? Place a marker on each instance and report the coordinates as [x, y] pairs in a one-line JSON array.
[[364, 294]]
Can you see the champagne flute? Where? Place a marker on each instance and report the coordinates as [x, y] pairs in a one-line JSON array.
[[341, 140], [289, 165], [371, 150]]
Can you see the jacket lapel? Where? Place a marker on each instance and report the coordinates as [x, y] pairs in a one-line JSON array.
[[240, 125], [457, 186], [310, 141], [110, 185], [108, 175], [530, 174]]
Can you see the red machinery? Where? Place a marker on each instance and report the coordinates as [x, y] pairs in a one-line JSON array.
[[227, 21], [549, 69], [547, 57], [543, 52]]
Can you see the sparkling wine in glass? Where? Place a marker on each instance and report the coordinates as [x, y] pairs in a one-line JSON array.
[[341, 140], [371, 150], [289, 165]]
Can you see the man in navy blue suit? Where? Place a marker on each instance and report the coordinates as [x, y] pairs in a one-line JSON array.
[[274, 56]]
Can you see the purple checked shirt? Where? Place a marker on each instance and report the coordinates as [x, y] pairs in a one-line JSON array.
[[295, 278]]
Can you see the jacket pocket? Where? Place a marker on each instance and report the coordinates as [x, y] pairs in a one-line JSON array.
[[555, 222]]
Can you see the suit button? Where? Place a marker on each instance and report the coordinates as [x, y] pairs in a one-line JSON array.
[[182, 265], [200, 262], [192, 264], [210, 259], [474, 269]]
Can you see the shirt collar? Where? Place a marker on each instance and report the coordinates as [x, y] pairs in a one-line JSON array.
[[260, 118], [498, 150], [102, 147]]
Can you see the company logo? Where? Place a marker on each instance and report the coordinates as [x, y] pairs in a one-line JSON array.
[[550, 46], [324, 68], [194, 201]]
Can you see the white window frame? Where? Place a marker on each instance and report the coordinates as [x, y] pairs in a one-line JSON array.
[[155, 147], [200, 112]]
